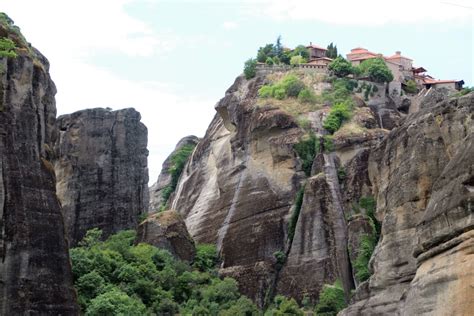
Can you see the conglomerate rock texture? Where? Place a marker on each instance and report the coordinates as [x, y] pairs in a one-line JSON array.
[[35, 270], [423, 176], [101, 169]]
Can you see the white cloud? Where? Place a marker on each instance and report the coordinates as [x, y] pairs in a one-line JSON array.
[[230, 25], [67, 32], [364, 12]]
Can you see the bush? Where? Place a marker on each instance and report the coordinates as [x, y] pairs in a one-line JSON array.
[[265, 91], [292, 85], [340, 67], [411, 86], [279, 93], [269, 61], [337, 115], [307, 150], [361, 264], [280, 257], [297, 60], [328, 143], [295, 214], [206, 257], [331, 300], [178, 162], [7, 48], [306, 96], [250, 68], [340, 91], [283, 306]]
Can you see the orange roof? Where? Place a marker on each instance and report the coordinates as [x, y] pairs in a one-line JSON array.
[[363, 57], [398, 55], [434, 81]]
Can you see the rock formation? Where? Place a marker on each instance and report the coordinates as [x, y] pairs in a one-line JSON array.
[[164, 179], [422, 175], [101, 170], [167, 230], [35, 271]]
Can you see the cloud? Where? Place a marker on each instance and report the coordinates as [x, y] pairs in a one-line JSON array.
[[69, 32], [363, 12], [230, 25]]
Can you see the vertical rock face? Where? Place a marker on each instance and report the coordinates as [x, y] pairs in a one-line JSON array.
[[164, 179], [422, 175], [35, 271], [238, 186], [101, 170], [167, 230]]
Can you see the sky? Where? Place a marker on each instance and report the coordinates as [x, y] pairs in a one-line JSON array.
[[173, 60]]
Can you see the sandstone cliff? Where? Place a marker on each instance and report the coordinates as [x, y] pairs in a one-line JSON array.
[[165, 178], [239, 191], [101, 169], [422, 175], [35, 271]]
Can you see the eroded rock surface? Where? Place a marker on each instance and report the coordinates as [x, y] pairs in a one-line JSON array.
[[101, 169], [164, 179], [35, 270], [167, 230], [422, 176]]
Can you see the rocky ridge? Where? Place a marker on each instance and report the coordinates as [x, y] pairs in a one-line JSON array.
[[35, 270], [101, 168]]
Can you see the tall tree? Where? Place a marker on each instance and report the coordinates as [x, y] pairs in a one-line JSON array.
[[331, 51], [278, 48]]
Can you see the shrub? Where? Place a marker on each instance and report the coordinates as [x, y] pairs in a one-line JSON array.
[[337, 115], [292, 85], [411, 86], [243, 307], [250, 68], [279, 93], [328, 143], [465, 91], [206, 257], [269, 61], [361, 264], [307, 150], [306, 96], [283, 306], [265, 91], [340, 91], [7, 48], [280, 257], [331, 300], [178, 162], [341, 174], [297, 60], [295, 214], [340, 67]]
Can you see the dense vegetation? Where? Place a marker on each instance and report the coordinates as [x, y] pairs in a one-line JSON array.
[[340, 95], [290, 86], [250, 68], [178, 161], [331, 300], [115, 277], [374, 68], [368, 241], [307, 149]]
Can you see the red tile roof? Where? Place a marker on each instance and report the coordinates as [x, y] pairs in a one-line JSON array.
[[396, 56]]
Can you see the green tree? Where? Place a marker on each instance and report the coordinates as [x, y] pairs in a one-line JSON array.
[[265, 52], [339, 113], [206, 257], [331, 51], [297, 60], [278, 48], [269, 61], [115, 302], [250, 68], [340, 67], [283, 306], [302, 51], [376, 70], [411, 87], [331, 300]]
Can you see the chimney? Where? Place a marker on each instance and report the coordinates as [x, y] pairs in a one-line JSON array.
[[398, 53]]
